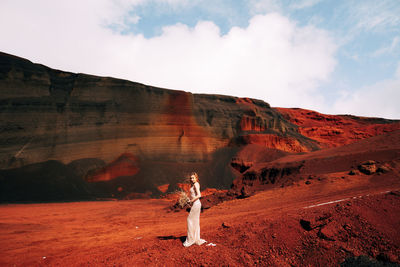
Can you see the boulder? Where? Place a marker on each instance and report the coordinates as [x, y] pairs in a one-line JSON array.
[[383, 169], [368, 167]]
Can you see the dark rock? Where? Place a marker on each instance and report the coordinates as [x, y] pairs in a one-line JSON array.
[[365, 261], [368, 167], [362, 260], [395, 193], [369, 162], [306, 225], [225, 225], [383, 169], [240, 165], [245, 192], [352, 172], [325, 216], [42, 182], [327, 233]]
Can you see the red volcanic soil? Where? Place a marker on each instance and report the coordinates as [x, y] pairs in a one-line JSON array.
[[324, 223], [336, 130], [125, 165], [318, 208]]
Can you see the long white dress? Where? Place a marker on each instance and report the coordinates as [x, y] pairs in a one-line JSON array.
[[193, 219]]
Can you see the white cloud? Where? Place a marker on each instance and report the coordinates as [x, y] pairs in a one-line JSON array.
[[264, 6], [175, 2], [272, 59], [378, 100], [304, 4], [375, 15]]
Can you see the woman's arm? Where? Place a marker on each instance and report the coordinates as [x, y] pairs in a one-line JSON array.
[[197, 190]]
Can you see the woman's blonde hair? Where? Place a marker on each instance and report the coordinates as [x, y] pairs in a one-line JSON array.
[[195, 175]]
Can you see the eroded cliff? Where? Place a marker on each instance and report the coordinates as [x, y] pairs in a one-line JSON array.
[[106, 137], [122, 137]]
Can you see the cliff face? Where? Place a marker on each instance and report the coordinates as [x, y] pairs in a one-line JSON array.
[[90, 124], [115, 138]]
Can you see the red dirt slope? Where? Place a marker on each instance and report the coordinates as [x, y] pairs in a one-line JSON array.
[[274, 228], [337, 162], [336, 130]]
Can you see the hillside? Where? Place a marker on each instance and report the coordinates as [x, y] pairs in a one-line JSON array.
[[68, 136]]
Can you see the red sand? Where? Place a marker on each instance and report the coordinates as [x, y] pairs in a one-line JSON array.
[[264, 229], [336, 130]]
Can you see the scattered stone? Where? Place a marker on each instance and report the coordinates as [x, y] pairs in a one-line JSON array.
[[387, 258], [383, 257], [338, 207], [362, 260], [306, 225], [327, 233], [225, 225], [231, 193], [368, 167], [383, 169], [325, 216], [308, 182], [326, 245], [395, 193], [244, 192], [349, 230], [352, 172]]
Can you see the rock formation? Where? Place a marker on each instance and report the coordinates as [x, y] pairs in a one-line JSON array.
[[112, 138], [337, 130]]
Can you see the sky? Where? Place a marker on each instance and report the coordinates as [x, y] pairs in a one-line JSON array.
[[332, 56]]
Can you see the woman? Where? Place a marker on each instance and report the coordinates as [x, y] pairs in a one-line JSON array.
[[193, 219]]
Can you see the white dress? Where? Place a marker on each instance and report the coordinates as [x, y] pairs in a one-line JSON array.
[[193, 220]]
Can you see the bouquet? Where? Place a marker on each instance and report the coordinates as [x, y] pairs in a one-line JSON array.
[[183, 199]]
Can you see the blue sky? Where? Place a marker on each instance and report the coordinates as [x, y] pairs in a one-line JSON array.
[[333, 56]]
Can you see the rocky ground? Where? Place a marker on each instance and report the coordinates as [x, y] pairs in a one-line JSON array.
[[351, 221]]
